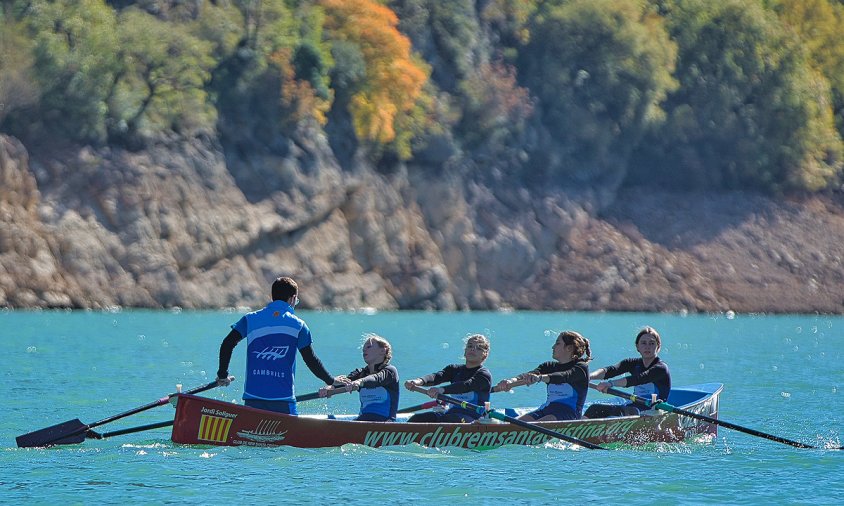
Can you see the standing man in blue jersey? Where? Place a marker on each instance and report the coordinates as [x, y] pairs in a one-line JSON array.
[[273, 335]]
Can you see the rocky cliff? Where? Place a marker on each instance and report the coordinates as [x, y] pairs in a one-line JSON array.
[[194, 224]]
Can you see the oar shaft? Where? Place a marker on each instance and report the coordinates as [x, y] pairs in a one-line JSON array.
[[515, 421], [160, 402], [307, 397], [74, 431], [673, 409], [418, 407], [139, 428], [315, 395]]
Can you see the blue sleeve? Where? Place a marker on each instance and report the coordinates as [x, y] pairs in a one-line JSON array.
[[240, 326], [305, 338]]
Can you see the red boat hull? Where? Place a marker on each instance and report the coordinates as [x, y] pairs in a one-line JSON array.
[[206, 421]]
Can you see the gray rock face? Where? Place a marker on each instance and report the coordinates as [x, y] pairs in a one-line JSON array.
[[192, 225]]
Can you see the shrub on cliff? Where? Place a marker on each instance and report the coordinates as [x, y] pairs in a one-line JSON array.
[[600, 69], [750, 111]]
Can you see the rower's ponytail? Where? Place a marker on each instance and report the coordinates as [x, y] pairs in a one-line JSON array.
[[580, 344]]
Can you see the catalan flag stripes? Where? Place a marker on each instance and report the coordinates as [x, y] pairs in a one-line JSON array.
[[214, 428]]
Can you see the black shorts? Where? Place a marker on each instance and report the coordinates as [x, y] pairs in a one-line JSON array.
[[557, 409], [610, 410]]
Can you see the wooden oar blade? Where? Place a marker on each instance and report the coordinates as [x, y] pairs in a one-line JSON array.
[[65, 433]]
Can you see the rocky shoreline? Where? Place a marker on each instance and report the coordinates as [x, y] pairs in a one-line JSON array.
[[190, 225]]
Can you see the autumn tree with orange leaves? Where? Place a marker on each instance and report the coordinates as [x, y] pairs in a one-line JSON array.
[[391, 86]]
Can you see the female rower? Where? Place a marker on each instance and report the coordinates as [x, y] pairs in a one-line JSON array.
[[567, 377], [648, 374], [470, 382], [377, 382]]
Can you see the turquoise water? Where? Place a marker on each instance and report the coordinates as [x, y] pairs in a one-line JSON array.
[[782, 375]]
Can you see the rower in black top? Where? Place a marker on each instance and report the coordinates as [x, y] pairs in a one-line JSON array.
[[647, 374], [471, 382], [567, 377], [377, 382]]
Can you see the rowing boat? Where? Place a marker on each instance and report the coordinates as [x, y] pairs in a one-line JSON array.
[[200, 420]]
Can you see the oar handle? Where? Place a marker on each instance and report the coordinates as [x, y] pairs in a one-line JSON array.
[[517, 383], [345, 389], [504, 418], [315, 395]]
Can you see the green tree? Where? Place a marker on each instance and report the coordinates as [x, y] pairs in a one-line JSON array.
[[18, 89], [600, 69], [819, 24], [750, 111], [161, 87], [76, 48]]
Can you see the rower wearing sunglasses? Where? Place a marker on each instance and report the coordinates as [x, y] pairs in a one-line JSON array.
[[470, 382]]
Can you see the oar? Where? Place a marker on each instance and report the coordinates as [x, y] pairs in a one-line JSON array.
[[74, 431], [418, 407], [431, 404], [168, 423], [517, 383], [509, 419], [673, 409], [307, 397], [149, 426]]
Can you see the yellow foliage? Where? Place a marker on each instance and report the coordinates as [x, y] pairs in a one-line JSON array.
[[818, 22], [393, 80]]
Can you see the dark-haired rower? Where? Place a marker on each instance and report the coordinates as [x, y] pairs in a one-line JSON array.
[[647, 374]]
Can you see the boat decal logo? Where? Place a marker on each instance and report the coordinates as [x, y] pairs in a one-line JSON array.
[[272, 353], [214, 428], [218, 412], [691, 427], [265, 432], [475, 439]]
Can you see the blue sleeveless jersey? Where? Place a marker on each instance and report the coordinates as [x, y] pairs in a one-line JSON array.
[[273, 335]]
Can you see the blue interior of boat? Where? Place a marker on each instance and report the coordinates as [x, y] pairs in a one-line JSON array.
[[679, 397]]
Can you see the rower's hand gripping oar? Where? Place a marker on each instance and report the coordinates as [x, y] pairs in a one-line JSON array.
[[74, 431], [431, 404], [673, 409], [509, 419]]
